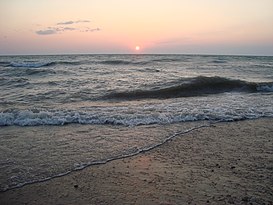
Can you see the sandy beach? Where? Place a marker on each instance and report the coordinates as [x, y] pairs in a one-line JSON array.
[[227, 163]]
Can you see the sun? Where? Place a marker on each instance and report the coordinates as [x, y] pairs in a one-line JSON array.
[[137, 48]]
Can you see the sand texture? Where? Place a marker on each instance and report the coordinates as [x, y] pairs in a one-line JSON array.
[[227, 163]]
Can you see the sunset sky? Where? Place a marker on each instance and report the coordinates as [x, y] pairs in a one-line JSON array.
[[118, 26]]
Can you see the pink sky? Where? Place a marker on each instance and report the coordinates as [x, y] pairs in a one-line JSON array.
[[118, 26]]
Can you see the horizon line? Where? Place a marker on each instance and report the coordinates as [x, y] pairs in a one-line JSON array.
[[192, 54]]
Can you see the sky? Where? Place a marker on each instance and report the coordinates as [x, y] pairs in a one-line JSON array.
[[233, 27]]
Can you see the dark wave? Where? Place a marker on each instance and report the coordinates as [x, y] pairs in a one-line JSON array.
[[116, 62], [47, 64], [134, 62], [123, 62], [28, 64], [39, 71], [219, 61], [16, 82], [69, 62], [198, 86], [172, 59], [2, 63], [33, 64]]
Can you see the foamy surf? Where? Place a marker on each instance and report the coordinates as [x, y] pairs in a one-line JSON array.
[[227, 107]]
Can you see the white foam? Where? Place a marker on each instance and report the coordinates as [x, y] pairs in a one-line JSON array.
[[265, 88], [156, 114], [29, 65]]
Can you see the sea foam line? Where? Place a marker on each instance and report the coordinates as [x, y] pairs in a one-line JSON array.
[[104, 161]]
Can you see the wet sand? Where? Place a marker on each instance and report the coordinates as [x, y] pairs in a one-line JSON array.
[[227, 163]]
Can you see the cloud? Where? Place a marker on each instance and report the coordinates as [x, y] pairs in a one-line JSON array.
[[65, 23], [67, 29], [73, 22], [95, 29], [83, 21], [90, 29], [46, 32], [61, 28]]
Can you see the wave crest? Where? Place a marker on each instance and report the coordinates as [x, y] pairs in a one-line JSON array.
[[197, 86], [41, 64], [31, 65]]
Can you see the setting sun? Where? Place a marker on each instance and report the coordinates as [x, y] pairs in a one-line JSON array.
[[137, 48]]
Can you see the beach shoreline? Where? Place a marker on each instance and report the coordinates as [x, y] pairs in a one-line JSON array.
[[227, 163]]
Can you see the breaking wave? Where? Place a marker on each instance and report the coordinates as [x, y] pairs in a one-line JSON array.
[[198, 86], [40, 64], [153, 114], [31, 65]]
